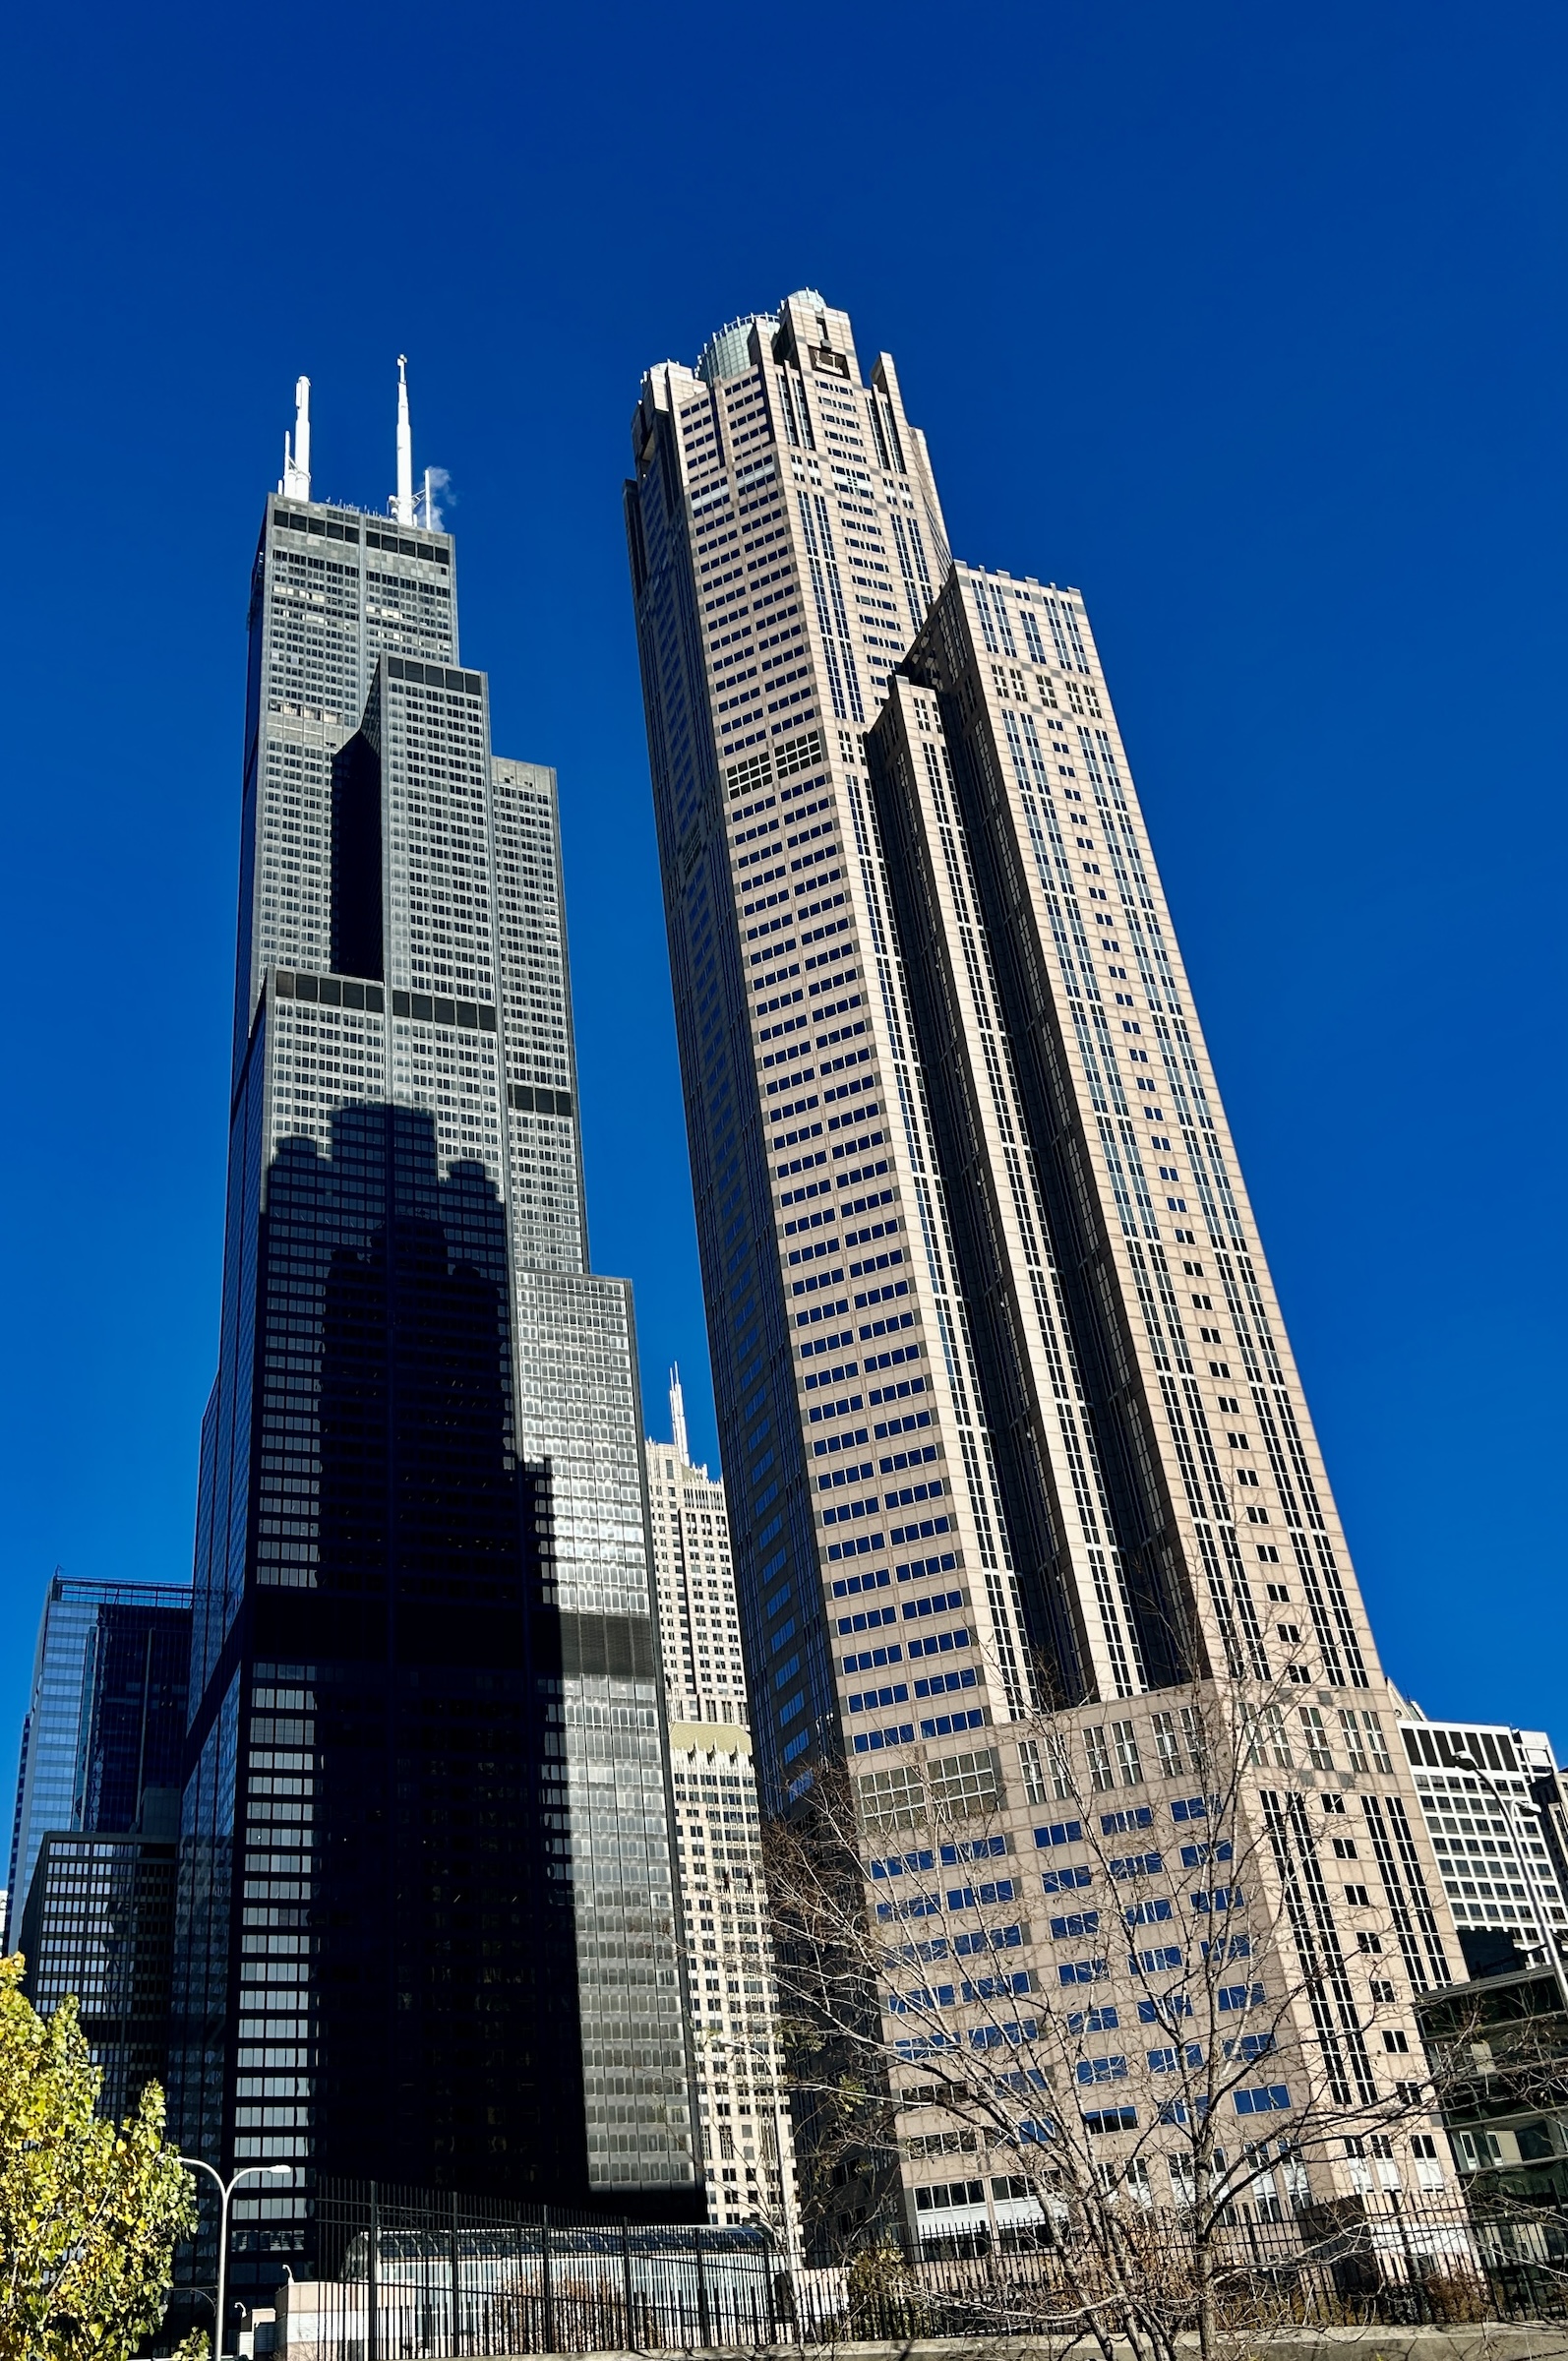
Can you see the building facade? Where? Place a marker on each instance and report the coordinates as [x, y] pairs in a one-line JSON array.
[[743, 2110], [428, 1925], [1492, 1800], [100, 1926], [1500, 2041], [1008, 1412], [105, 1714]]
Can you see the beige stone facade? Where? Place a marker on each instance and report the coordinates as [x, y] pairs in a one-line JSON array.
[[1005, 1395]]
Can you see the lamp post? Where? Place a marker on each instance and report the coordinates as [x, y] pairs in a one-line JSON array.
[[1468, 1762], [225, 2190]]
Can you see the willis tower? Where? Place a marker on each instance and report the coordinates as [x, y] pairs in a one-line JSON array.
[[427, 1918]]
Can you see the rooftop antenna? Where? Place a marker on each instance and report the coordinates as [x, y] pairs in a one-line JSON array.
[[296, 461], [426, 518], [678, 1419], [404, 498]]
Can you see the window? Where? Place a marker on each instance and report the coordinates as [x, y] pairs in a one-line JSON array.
[[1376, 1743], [1175, 1740], [1266, 2099], [1102, 2070], [893, 1798], [1171, 2005], [1129, 1761], [1101, 1775], [1268, 1742], [1317, 1745], [966, 1783], [1064, 1881], [1359, 1898], [1395, 2041], [1033, 1770]]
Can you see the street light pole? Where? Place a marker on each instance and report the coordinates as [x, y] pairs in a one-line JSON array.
[[225, 2190]]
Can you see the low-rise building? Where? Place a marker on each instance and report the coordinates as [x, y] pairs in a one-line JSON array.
[[1498, 2046]]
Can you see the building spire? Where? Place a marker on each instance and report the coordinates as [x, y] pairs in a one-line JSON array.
[[682, 1448], [403, 499], [296, 461]]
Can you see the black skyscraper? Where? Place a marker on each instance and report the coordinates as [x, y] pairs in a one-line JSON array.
[[397, 1958]]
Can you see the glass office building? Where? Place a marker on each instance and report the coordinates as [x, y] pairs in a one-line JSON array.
[[100, 1926], [105, 1714], [427, 1919]]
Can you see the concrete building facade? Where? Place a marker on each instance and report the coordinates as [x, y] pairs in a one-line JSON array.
[[743, 2111], [1007, 1404], [1492, 1799]]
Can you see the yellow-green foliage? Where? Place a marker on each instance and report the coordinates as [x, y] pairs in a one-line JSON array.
[[89, 2212]]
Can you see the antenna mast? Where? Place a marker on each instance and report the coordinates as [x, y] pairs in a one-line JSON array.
[[404, 498], [296, 461]]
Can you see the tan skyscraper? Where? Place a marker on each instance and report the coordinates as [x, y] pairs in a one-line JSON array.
[[1005, 1399], [745, 2117]]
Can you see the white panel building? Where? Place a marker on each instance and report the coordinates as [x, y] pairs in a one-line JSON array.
[[745, 2116], [1493, 1805]]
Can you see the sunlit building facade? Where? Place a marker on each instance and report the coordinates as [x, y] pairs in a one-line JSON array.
[[1008, 1415], [743, 2110]]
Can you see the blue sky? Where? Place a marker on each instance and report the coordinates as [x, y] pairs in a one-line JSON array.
[[1248, 321]]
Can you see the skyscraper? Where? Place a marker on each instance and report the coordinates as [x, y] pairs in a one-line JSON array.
[[427, 1922], [97, 1791], [1005, 1400], [105, 1714], [100, 1927], [742, 2106]]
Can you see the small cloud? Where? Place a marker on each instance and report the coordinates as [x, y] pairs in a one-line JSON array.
[[441, 492]]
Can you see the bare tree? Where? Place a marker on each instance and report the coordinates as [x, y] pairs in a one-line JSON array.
[[1173, 1992]]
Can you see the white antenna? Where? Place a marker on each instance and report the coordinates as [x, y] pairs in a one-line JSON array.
[[429, 524], [404, 498], [296, 462], [682, 1448]]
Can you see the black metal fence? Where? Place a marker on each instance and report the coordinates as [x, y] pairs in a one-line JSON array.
[[413, 2275], [1374, 2261]]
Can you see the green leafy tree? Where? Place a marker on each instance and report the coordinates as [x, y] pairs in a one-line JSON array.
[[89, 2212]]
